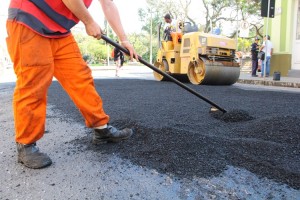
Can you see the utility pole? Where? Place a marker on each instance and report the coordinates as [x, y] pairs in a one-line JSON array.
[[107, 45], [266, 42], [150, 60], [237, 24]]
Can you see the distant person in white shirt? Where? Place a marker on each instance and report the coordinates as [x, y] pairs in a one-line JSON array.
[[170, 26], [266, 47]]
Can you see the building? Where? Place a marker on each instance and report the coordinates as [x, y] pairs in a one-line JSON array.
[[284, 30]]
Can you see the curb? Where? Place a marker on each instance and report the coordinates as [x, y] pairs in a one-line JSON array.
[[270, 83]]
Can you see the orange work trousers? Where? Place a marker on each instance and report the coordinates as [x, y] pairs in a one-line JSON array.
[[36, 61]]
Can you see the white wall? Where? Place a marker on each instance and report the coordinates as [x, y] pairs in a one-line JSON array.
[[3, 16], [296, 42]]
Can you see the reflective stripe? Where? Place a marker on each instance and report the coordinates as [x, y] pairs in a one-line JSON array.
[[50, 18], [33, 23], [55, 16]]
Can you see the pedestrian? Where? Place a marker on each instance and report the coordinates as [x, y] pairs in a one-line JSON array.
[[41, 47], [254, 53], [119, 59], [267, 48]]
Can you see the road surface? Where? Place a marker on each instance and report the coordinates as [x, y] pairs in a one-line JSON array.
[[178, 151]]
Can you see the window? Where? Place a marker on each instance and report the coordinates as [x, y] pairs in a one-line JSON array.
[[187, 42]]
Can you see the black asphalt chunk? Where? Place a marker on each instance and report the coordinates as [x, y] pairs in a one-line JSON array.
[[176, 134]]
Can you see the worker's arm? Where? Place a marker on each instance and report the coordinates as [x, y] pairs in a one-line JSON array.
[[78, 8], [112, 15]]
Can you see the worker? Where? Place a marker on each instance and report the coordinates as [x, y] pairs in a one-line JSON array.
[[170, 26], [41, 47], [254, 52]]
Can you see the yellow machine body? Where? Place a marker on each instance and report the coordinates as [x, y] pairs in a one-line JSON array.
[[204, 58]]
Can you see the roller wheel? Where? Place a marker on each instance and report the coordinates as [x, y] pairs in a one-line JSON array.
[[208, 72], [163, 66], [196, 72]]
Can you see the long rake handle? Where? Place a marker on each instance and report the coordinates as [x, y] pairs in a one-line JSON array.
[[141, 60]]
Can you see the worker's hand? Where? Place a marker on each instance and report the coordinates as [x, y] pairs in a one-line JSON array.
[[130, 48], [93, 29]]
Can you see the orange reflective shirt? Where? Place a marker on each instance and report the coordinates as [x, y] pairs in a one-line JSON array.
[[49, 18]]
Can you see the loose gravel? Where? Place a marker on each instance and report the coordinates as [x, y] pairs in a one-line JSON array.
[[175, 133]]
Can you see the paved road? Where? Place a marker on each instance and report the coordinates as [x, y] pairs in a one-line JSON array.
[[178, 151], [138, 72]]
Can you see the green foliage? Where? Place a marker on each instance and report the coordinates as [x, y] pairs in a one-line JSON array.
[[93, 51], [97, 51], [148, 17], [244, 44], [141, 43], [219, 11], [215, 13]]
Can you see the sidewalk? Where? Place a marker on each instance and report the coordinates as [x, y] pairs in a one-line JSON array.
[[246, 78], [146, 73]]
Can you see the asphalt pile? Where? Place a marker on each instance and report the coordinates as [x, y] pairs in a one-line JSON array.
[[176, 134], [232, 115]]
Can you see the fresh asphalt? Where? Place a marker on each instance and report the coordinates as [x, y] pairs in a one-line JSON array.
[[178, 151]]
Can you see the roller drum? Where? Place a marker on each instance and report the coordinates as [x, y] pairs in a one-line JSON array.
[[208, 72], [221, 75]]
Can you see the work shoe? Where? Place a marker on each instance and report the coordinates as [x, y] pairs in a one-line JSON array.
[[30, 156], [111, 134]]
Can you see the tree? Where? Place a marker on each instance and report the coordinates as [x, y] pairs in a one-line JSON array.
[[178, 9], [148, 38], [220, 11], [215, 12], [153, 15], [96, 50], [92, 50], [250, 11]]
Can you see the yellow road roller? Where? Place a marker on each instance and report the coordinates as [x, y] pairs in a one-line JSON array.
[[204, 58]]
